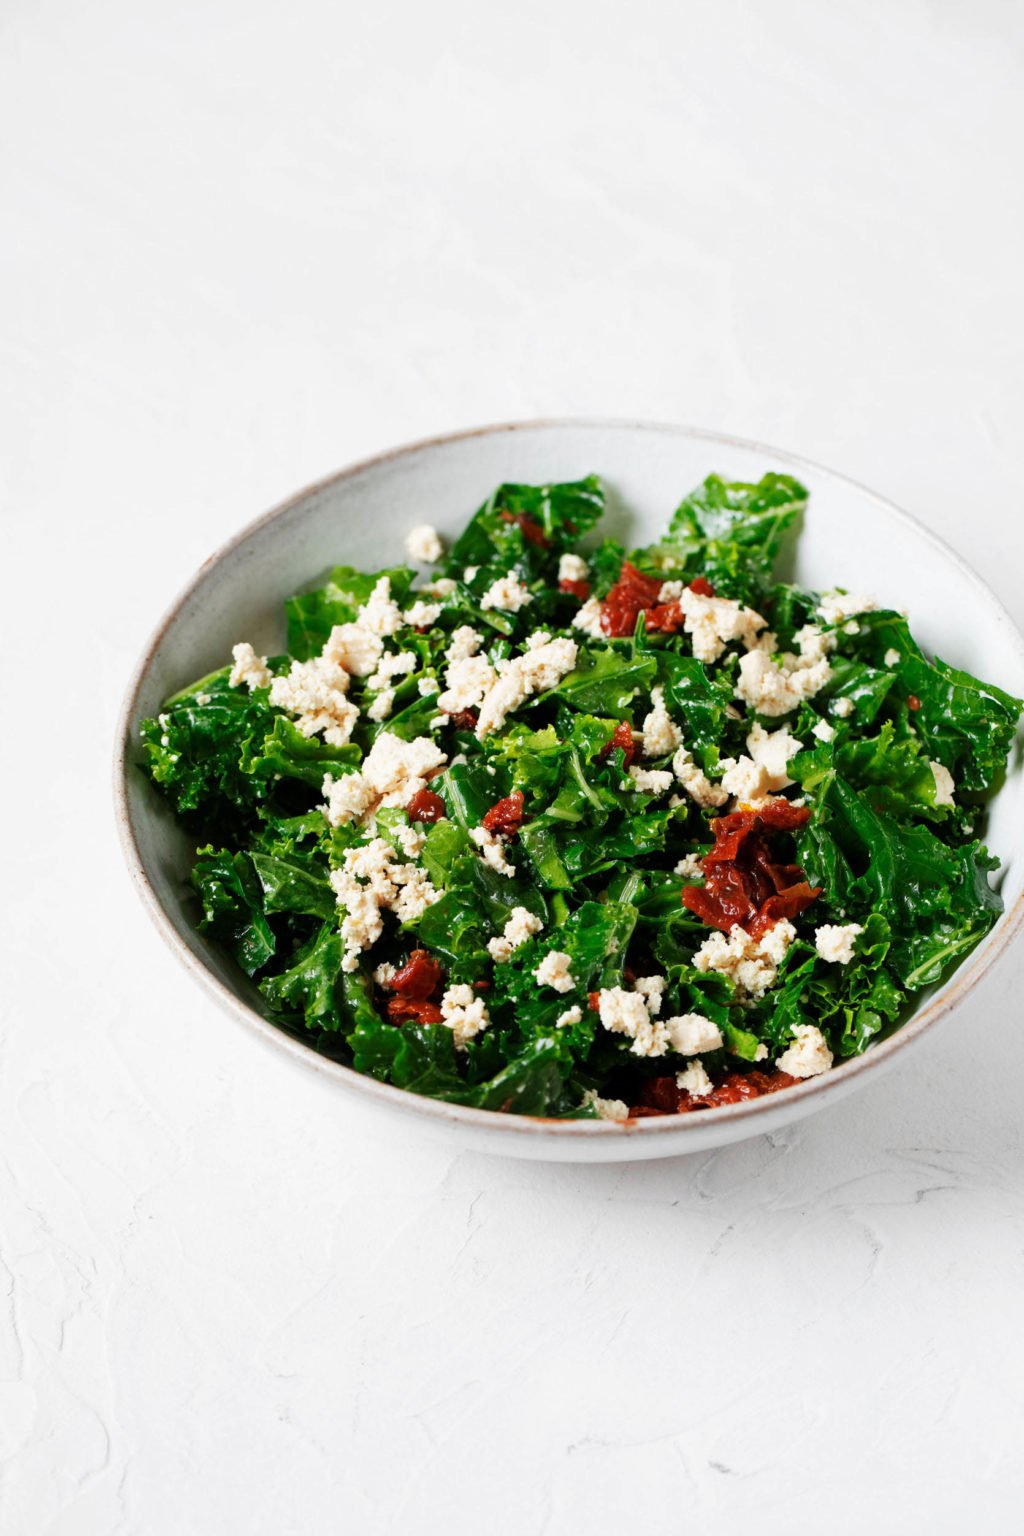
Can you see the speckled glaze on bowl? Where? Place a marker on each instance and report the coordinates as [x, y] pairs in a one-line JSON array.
[[360, 516]]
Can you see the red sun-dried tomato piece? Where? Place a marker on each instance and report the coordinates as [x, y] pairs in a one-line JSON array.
[[401, 1009], [594, 1002], [665, 618], [580, 589], [529, 527], [419, 978], [660, 1096], [701, 586], [463, 720], [913, 702], [505, 817], [631, 595], [744, 883], [425, 805], [622, 737]]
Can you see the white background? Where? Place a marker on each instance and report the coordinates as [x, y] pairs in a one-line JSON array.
[[240, 246]]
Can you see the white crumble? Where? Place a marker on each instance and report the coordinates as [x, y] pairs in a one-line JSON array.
[[696, 783], [314, 692], [391, 665], [423, 544], [421, 615], [382, 705], [467, 681], [691, 1034], [712, 622], [605, 1109], [356, 649], [369, 883], [554, 971], [764, 772], [944, 785], [690, 866], [823, 731], [464, 1013], [202, 698], [507, 595], [837, 606], [392, 772], [469, 573], [588, 619], [892, 657], [751, 964], [250, 669], [410, 840], [835, 941], [521, 925], [651, 781], [442, 586], [843, 708], [379, 615], [694, 1080], [573, 1015], [520, 678], [777, 687], [661, 734], [572, 568], [492, 850], [625, 1013], [652, 990], [465, 642], [426, 687], [385, 974], [809, 1054]]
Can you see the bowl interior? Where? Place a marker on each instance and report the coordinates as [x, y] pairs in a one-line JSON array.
[[850, 538]]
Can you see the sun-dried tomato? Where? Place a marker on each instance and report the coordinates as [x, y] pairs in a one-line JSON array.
[[665, 618], [529, 527], [631, 595], [913, 702], [425, 805], [505, 817], [744, 882], [622, 737], [401, 1009], [660, 1096], [418, 978], [580, 589], [463, 720], [702, 586], [594, 1002]]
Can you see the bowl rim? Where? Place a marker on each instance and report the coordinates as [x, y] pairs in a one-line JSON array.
[[670, 1127]]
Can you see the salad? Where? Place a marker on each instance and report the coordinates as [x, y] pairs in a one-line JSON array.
[[541, 826]]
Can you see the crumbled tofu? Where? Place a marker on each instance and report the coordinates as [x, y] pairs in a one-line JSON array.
[[892, 657], [690, 866], [813, 644], [573, 1015], [605, 1109], [523, 676], [573, 568], [356, 649], [442, 587], [465, 642], [625, 1013], [392, 772], [652, 990], [712, 622], [852, 628], [423, 544], [421, 615], [651, 781], [426, 687], [554, 971], [391, 665], [382, 705], [379, 615], [370, 882], [843, 708], [492, 850], [314, 692], [808, 1055], [539, 638], [661, 734], [507, 594], [837, 606], [777, 687], [944, 784], [203, 698], [249, 668], [469, 573], [464, 1013], [764, 771], [823, 731], [588, 619], [696, 783], [671, 591], [751, 964], [835, 941], [410, 840], [521, 925], [467, 681], [385, 974], [691, 1034], [694, 1080]]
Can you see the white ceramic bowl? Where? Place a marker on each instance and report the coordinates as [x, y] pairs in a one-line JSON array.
[[852, 538]]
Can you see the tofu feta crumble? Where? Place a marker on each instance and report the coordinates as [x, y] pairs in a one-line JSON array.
[[551, 829]]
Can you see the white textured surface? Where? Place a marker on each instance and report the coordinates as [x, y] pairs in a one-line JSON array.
[[240, 246]]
